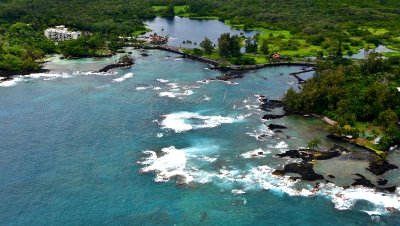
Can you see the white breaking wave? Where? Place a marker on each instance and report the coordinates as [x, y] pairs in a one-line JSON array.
[[162, 80], [173, 85], [206, 98], [143, 87], [44, 76], [175, 91], [159, 135], [207, 159], [178, 164], [238, 192], [258, 153], [262, 133], [91, 73], [11, 82], [184, 121], [204, 81], [48, 75], [148, 87], [281, 145], [171, 164], [124, 77], [347, 198]]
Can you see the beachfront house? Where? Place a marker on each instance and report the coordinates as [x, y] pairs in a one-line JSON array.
[[61, 33]]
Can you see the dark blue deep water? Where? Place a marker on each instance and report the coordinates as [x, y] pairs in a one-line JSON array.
[[71, 151]]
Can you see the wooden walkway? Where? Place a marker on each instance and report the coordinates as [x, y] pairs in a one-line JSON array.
[[296, 74]]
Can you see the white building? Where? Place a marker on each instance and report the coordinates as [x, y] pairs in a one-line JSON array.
[[61, 33]]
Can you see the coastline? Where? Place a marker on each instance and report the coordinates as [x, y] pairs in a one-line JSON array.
[[217, 64], [306, 168], [10, 74]]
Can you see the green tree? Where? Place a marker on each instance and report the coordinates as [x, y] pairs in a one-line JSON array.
[[235, 46], [264, 47], [387, 118], [229, 46], [251, 45], [207, 46], [170, 11], [224, 47], [314, 143]]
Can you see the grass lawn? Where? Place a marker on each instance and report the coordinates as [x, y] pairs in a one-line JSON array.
[[370, 145], [392, 54], [265, 33], [137, 33], [368, 128], [377, 31]]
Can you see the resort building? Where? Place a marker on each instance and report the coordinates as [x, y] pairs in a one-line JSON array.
[[61, 33]]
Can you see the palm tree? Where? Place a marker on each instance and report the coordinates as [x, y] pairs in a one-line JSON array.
[[314, 143]]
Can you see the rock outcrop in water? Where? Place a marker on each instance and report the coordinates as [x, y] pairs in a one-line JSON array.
[[125, 61], [271, 116], [308, 155], [229, 75], [305, 170], [363, 181], [9, 74], [381, 167], [382, 181], [269, 105], [275, 127]]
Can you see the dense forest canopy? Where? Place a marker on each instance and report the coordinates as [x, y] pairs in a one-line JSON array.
[[22, 23], [299, 14], [365, 91], [107, 16]]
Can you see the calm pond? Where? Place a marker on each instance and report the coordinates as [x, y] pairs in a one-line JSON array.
[[181, 29]]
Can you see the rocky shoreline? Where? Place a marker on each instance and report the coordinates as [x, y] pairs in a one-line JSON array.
[[10, 74], [308, 157]]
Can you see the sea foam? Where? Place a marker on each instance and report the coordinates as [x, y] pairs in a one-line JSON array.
[[180, 164], [124, 77], [11, 82], [184, 121], [170, 164], [48, 75], [175, 91], [258, 153]]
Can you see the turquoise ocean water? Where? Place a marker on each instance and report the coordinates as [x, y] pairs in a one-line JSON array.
[[156, 144]]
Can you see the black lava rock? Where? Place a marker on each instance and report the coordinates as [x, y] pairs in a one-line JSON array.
[[304, 169], [275, 126], [379, 168]]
